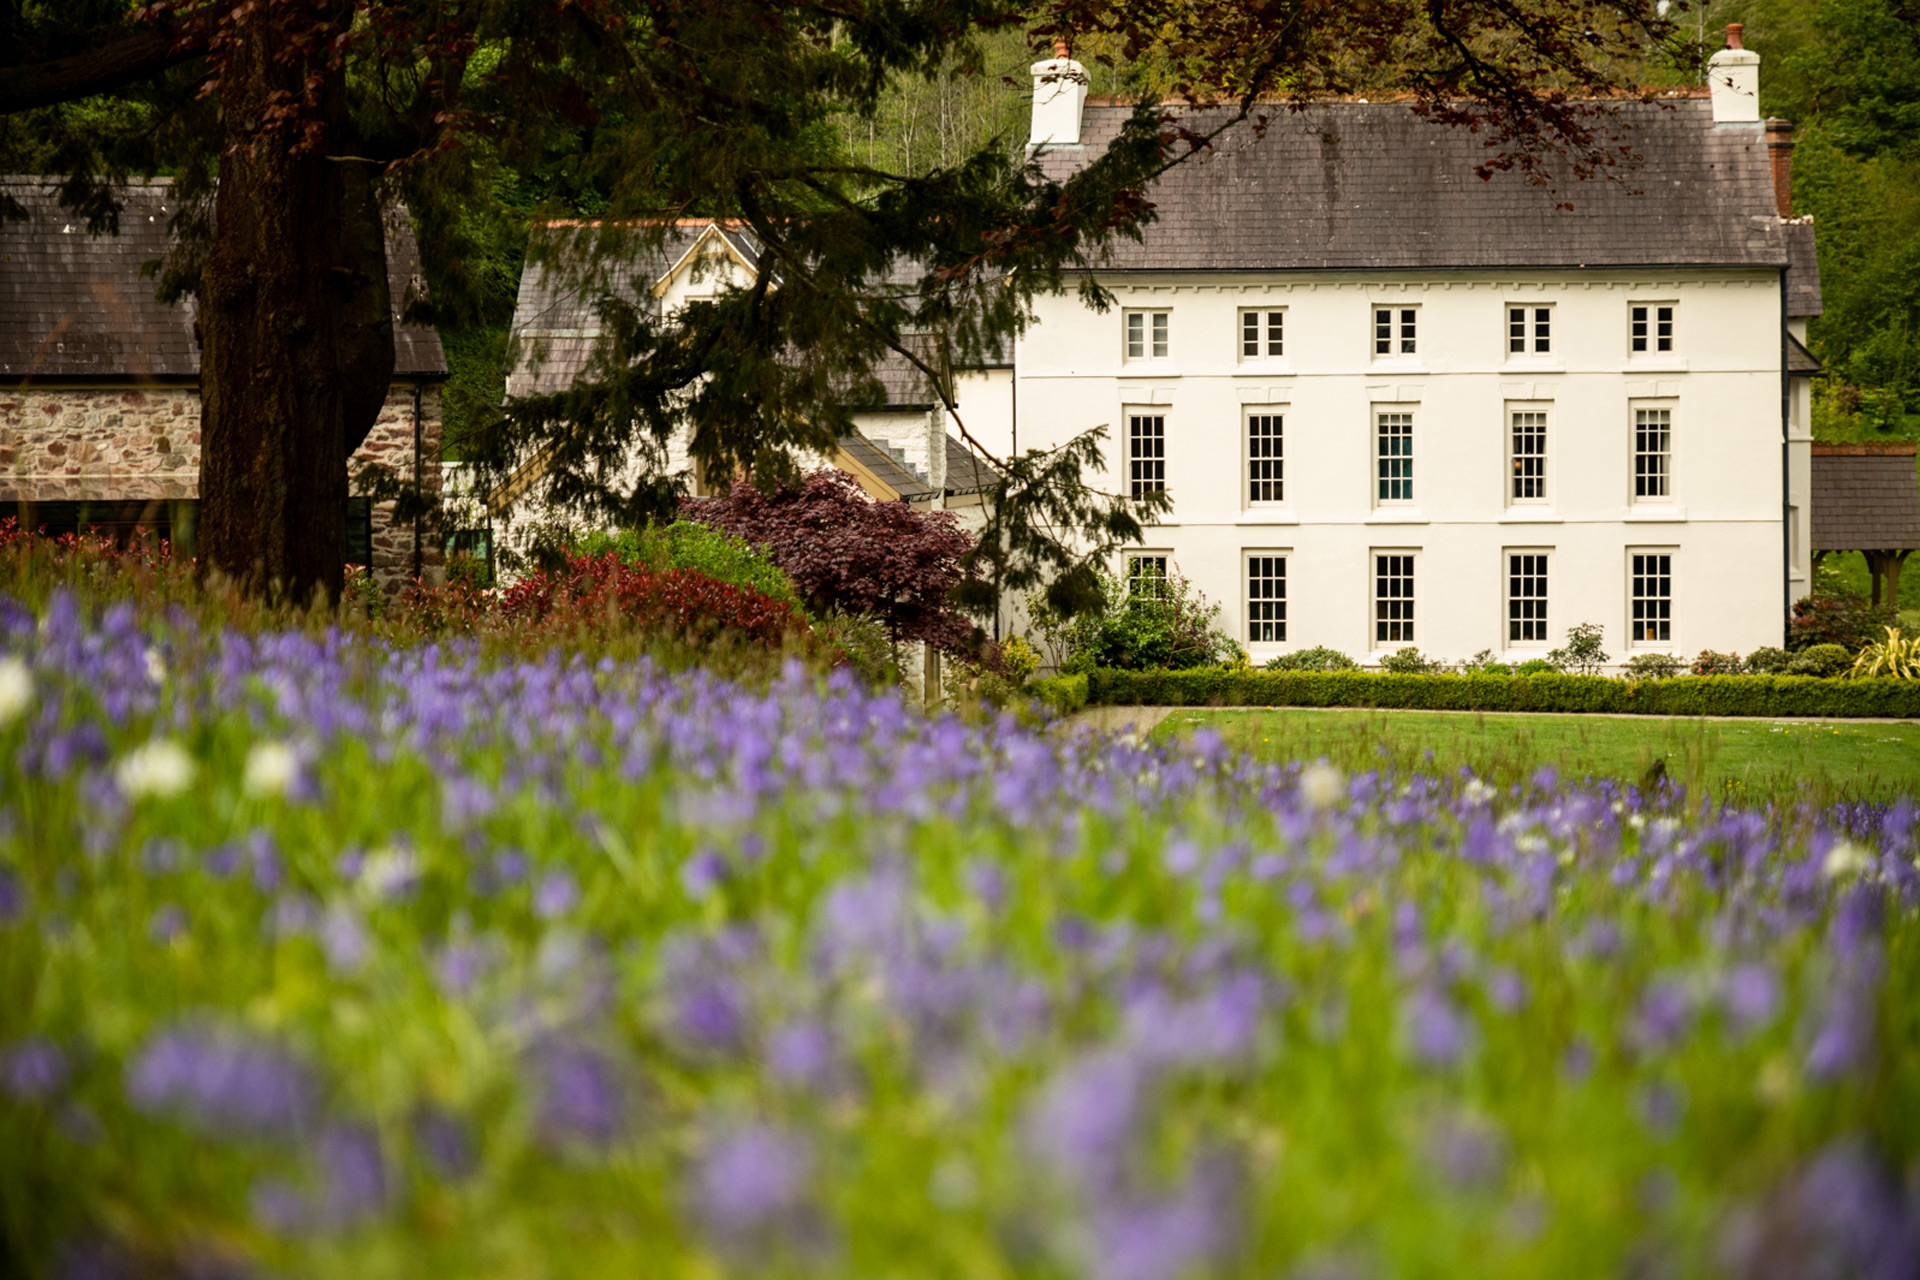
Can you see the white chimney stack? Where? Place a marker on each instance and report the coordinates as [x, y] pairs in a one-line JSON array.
[[1059, 94], [1733, 74]]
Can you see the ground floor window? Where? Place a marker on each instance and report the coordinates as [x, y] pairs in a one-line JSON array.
[[1651, 585], [1526, 597], [1147, 573], [1393, 598], [1266, 598]]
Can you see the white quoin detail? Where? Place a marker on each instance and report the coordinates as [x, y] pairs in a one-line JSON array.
[[1733, 74], [1059, 95]]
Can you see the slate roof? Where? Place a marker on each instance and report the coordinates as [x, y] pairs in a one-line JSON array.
[[556, 320], [1865, 498], [967, 471], [75, 306], [881, 464], [1352, 185], [1800, 360]]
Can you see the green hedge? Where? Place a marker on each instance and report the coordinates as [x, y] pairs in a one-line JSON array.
[[1065, 694], [1684, 696]]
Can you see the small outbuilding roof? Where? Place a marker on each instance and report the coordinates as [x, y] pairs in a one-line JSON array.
[[1865, 497], [863, 454], [80, 307]]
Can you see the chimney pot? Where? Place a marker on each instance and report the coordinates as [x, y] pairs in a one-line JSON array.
[[1733, 77], [1061, 49], [1059, 96]]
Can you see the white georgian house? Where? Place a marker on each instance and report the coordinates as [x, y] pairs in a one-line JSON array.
[[1396, 405]]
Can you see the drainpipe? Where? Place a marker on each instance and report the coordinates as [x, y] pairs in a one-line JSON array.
[[416, 483], [1786, 476]]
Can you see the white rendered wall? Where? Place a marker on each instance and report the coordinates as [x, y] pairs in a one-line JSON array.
[[1722, 384]]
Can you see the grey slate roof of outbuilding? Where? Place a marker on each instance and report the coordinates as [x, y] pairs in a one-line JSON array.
[[1353, 185], [881, 464], [556, 318], [1866, 497], [967, 471], [79, 307]]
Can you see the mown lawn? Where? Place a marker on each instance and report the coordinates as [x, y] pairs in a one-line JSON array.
[[1754, 762]]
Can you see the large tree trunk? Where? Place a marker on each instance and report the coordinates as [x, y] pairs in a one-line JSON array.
[[296, 329]]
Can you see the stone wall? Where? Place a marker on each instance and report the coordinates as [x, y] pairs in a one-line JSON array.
[[143, 443], [80, 445], [389, 447]]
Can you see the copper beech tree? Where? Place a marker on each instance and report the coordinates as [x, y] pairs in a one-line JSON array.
[[313, 115]]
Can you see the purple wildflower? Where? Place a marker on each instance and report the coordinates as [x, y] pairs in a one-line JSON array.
[[444, 1142], [13, 895], [1086, 1115], [753, 1182], [32, 1070], [167, 923], [1751, 996], [701, 874], [355, 1173], [582, 1100], [1665, 1013], [801, 1053], [556, 895], [220, 1084], [1438, 1035], [344, 939]]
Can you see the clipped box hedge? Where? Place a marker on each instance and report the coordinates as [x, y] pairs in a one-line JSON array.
[[1681, 696]]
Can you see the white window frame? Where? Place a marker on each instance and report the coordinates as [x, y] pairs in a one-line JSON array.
[[1131, 461], [1150, 555], [1248, 557], [1269, 332], [1646, 320], [1380, 479], [1376, 623], [1146, 334], [1669, 473], [1399, 332], [1511, 412], [1248, 462], [1635, 625], [1533, 330], [1509, 576]]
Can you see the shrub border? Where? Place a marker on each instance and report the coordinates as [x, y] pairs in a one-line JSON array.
[[1811, 696]]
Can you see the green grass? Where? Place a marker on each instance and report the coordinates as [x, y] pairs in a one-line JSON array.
[[1755, 762]]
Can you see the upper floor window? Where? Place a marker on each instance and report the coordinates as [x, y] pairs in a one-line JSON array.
[[1266, 475], [1651, 327], [1395, 331], [1146, 453], [1262, 334], [1529, 330], [1652, 454], [1147, 334], [1394, 454], [1529, 456]]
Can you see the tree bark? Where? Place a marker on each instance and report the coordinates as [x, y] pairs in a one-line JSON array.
[[296, 328]]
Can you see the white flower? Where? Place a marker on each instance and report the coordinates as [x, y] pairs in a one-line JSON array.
[[156, 667], [1478, 792], [1846, 859], [16, 689], [158, 768], [388, 871], [271, 768], [1321, 785]]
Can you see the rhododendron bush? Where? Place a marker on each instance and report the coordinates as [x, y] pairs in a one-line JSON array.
[[322, 956]]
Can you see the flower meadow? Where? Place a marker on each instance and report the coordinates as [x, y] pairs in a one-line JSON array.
[[321, 956]]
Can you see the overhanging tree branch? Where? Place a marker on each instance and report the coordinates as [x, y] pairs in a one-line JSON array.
[[137, 56]]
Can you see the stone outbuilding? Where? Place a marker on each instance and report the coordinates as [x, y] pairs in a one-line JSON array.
[[1866, 498], [100, 384]]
